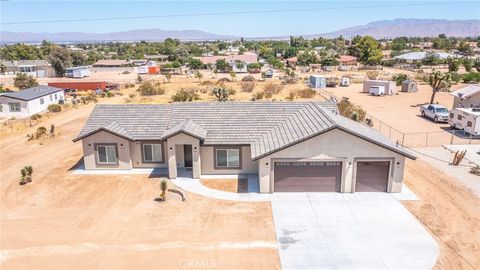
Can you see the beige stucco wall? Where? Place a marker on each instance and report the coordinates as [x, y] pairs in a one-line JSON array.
[[178, 141], [335, 145], [467, 102], [137, 160], [208, 162], [124, 161]]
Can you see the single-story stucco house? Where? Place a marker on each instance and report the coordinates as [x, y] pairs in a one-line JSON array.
[[29, 101], [291, 146], [466, 97]]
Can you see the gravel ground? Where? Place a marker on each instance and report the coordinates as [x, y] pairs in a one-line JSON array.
[[440, 157]]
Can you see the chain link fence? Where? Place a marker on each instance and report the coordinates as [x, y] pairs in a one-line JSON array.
[[422, 139]]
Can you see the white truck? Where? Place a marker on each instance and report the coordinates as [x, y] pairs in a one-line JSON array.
[[437, 113], [467, 119]]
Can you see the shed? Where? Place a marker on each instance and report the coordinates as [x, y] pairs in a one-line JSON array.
[[409, 86], [78, 72], [389, 86], [317, 81]]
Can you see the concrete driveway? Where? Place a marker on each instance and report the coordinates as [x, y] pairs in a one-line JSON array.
[[349, 231]]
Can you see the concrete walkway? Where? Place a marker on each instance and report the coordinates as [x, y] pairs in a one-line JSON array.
[[195, 186], [349, 231]]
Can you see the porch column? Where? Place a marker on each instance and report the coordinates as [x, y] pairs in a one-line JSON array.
[[172, 161], [196, 166]]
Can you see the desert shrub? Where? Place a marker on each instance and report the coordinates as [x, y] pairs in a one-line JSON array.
[[372, 74], [109, 94], [231, 91], [150, 89], [220, 93], [36, 116], [455, 77], [352, 111], [258, 95], [26, 175], [306, 93], [54, 108], [41, 131], [129, 85], [248, 78], [271, 89], [399, 78], [132, 95], [471, 77], [475, 170], [247, 86], [290, 96], [223, 80], [183, 95], [206, 83]]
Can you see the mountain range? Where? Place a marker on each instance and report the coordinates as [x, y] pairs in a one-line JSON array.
[[377, 29]]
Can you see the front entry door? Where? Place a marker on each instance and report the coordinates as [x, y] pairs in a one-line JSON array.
[[187, 151]]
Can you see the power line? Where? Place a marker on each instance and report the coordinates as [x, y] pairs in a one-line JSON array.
[[233, 13]]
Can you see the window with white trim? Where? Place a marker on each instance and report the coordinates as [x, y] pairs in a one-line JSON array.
[[42, 100], [227, 158], [14, 107], [152, 152], [106, 154]]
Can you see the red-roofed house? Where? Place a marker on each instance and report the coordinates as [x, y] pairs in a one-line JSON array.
[[348, 60]]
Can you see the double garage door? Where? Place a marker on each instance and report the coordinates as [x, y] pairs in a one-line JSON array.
[[326, 176]]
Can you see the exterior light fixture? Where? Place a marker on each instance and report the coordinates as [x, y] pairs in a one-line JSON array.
[[398, 164], [89, 146]]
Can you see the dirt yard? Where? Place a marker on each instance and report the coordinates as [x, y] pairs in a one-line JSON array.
[[449, 211], [230, 185], [65, 221]]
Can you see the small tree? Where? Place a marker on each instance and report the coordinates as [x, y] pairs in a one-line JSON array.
[[163, 188], [198, 75], [26, 175], [399, 78], [453, 64], [233, 75], [467, 64], [22, 81], [222, 65], [439, 82], [431, 59], [168, 76], [220, 93]]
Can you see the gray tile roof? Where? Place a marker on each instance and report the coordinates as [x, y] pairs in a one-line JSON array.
[[266, 126], [33, 92]]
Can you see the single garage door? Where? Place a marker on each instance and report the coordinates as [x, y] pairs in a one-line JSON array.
[[307, 176], [372, 176]]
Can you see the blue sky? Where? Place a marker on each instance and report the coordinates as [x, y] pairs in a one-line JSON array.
[[336, 15]]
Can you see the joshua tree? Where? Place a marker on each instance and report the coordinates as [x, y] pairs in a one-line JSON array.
[[439, 82], [220, 93], [26, 175], [163, 188], [168, 76]]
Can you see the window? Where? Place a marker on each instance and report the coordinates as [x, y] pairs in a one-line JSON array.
[[14, 107], [459, 117], [227, 158], [51, 98], [55, 96], [106, 154], [451, 115], [469, 124], [42, 101], [152, 152]]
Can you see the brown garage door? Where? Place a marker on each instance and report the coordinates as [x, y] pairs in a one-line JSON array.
[[307, 176], [372, 176]]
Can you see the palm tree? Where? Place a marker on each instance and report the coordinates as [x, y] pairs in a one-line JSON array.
[[439, 82]]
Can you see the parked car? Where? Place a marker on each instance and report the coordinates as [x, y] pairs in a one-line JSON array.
[[437, 113]]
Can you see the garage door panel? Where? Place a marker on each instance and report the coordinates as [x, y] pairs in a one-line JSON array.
[[372, 176], [307, 176]]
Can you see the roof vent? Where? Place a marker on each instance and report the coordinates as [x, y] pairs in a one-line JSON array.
[[476, 109]]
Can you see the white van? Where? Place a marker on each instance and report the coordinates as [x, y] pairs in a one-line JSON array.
[[467, 119]]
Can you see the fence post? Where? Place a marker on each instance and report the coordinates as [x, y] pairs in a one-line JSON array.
[[426, 140], [451, 138]]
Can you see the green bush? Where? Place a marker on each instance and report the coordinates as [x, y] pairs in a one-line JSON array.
[[36, 116], [149, 89], [471, 77], [183, 95], [399, 78], [54, 108]]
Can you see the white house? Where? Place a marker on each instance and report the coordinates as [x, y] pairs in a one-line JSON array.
[[78, 72], [24, 103]]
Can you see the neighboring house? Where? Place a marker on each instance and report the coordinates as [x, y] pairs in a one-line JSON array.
[[417, 57], [237, 62], [77, 72], [35, 68], [466, 97], [348, 60], [290, 146], [111, 63], [27, 102]]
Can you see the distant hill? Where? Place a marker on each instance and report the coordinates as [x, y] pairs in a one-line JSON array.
[[133, 35], [410, 28], [378, 29]]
